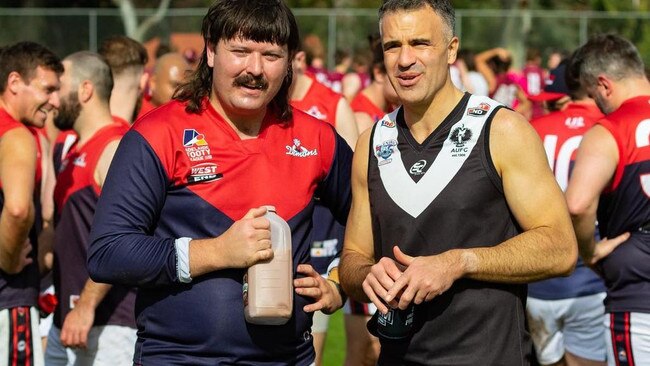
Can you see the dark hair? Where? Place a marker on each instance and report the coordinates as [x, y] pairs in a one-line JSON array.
[[374, 40], [122, 52], [572, 79], [441, 7], [340, 55], [533, 54], [468, 57], [608, 54], [256, 20], [24, 58]]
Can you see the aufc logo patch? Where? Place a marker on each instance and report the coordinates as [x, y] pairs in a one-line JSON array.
[[459, 136], [196, 147]]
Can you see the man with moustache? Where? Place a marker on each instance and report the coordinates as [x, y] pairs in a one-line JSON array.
[[93, 322], [181, 211], [444, 247], [29, 84]]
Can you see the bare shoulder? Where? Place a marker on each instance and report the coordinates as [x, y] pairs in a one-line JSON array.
[[18, 139], [513, 139]]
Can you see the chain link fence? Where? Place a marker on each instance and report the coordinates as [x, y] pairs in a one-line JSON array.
[[69, 30]]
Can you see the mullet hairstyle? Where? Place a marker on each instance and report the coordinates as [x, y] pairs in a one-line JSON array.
[[24, 58], [441, 7], [257, 20]]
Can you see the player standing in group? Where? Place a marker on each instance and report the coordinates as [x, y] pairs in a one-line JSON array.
[[454, 209], [29, 84], [180, 214], [168, 74], [566, 314], [611, 183], [93, 322]]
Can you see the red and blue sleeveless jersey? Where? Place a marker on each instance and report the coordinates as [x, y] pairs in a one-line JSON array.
[[75, 197], [328, 234], [190, 175], [19, 289], [320, 102], [561, 133], [625, 206], [362, 104]]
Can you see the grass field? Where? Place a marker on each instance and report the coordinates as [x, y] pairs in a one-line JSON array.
[[335, 342]]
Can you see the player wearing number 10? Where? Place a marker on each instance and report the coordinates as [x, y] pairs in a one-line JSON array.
[[611, 180], [566, 314]]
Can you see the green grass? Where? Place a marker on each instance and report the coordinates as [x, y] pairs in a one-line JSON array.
[[334, 354]]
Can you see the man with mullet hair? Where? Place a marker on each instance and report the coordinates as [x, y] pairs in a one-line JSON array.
[[181, 212], [29, 84], [454, 209]]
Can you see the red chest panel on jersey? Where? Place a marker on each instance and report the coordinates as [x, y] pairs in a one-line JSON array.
[[204, 153]]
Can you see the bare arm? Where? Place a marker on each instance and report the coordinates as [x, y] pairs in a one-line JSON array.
[[80, 319], [17, 168], [350, 85], [46, 237], [358, 251], [547, 246], [346, 125], [594, 169], [481, 65], [364, 121]]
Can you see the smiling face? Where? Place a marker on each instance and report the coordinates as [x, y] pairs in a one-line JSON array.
[[246, 76], [418, 50], [38, 97]]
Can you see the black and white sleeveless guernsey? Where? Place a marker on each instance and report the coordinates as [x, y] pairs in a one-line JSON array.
[[432, 197]]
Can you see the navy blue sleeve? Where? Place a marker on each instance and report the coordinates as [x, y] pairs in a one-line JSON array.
[[335, 190], [122, 247]]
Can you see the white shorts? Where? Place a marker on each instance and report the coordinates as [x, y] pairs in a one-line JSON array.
[[108, 345], [628, 339], [320, 322], [572, 325], [20, 340]]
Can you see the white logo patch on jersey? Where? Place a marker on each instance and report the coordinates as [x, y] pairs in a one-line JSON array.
[[300, 151], [418, 167]]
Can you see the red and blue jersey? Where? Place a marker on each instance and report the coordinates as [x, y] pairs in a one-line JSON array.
[[19, 289], [190, 175], [625, 207], [322, 103], [561, 133], [75, 197], [362, 104]]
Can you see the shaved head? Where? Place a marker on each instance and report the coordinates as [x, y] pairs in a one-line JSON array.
[[169, 72]]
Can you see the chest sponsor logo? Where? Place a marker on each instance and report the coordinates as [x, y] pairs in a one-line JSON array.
[[385, 151], [315, 112], [196, 147], [479, 111], [459, 136], [300, 151], [418, 167], [205, 172], [388, 123]]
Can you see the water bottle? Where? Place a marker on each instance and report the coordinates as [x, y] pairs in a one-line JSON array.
[[268, 285]]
